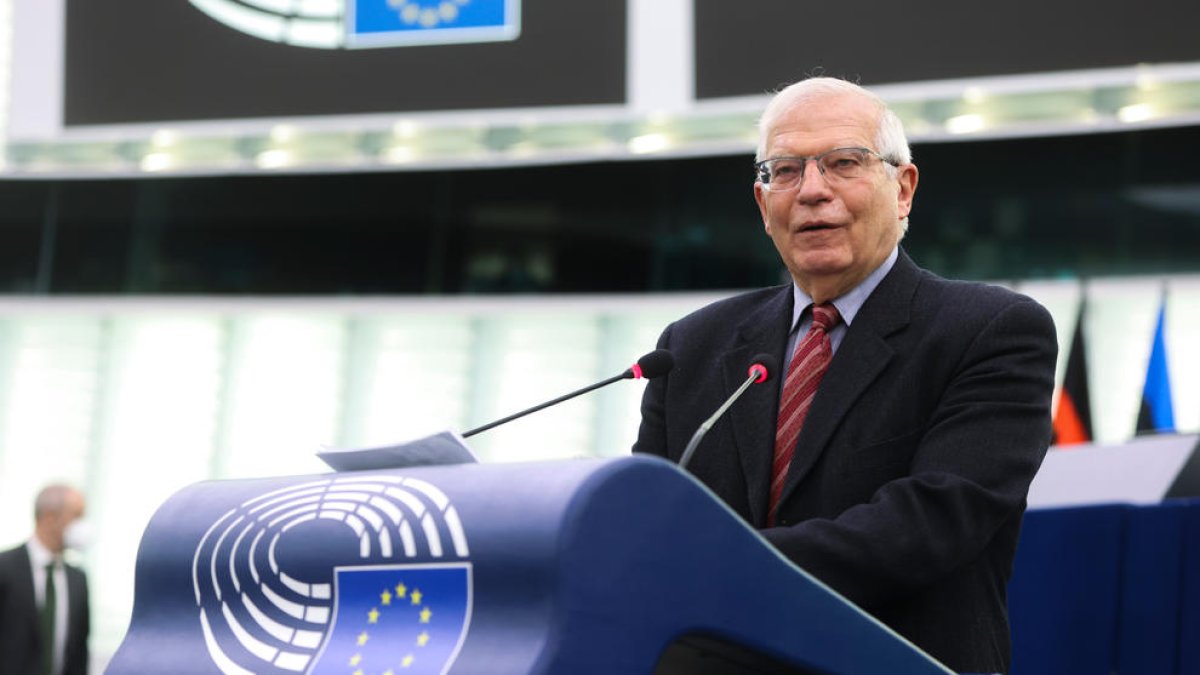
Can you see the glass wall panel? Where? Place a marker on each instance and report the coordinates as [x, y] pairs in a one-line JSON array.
[[412, 377], [51, 382], [283, 379], [157, 418]]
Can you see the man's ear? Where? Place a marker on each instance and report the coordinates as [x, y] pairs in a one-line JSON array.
[[907, 179], [760, 198]]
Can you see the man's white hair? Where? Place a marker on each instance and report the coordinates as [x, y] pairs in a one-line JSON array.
[[890, 139]]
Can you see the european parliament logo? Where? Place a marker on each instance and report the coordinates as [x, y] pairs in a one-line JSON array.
[[351, 575], [335, 24]]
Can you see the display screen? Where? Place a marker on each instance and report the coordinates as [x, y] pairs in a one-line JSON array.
[[138, 61], [754, 46]]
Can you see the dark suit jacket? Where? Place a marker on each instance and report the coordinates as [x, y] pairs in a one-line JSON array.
[[909, 479], [20, 628]]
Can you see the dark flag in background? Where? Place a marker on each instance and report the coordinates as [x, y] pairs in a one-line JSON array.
[[1073, 414], [1156, 414]]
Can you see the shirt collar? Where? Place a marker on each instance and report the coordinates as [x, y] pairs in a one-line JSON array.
[[39, 555], [850, 302]]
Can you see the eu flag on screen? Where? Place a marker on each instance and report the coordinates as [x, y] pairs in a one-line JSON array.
[[1157, 414], [397, 619], [390, 23]]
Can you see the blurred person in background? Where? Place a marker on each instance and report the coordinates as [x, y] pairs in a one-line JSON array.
[[892, 458], [44, 621]]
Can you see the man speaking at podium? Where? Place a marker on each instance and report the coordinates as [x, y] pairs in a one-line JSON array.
[[892, 458]]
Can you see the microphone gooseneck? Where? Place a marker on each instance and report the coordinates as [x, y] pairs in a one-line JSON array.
[[655, 364], [762, 368]]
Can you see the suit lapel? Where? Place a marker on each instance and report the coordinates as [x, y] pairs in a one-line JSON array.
[[753, 417], [23, 589], [861, 357]]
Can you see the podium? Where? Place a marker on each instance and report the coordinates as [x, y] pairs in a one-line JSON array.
[[616, 566]]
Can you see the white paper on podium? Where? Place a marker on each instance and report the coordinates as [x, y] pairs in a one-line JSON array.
[[444, 447]]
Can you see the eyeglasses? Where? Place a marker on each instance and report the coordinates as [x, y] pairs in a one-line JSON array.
[[840, 164]]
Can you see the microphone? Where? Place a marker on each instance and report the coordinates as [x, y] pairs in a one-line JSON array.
[[655, 364], [762, 367]]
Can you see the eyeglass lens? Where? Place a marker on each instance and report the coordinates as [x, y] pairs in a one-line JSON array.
[[840, 163]]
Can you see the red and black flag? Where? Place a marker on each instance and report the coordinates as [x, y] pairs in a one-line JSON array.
[[1073, 414]]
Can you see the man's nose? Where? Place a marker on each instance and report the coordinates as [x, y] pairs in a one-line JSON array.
[[813, 184]]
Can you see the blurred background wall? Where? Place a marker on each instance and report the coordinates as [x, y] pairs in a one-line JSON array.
[[233, 232]]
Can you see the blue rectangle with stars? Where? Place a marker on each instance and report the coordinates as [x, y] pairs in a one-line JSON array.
[[397, 619], [394, 23]]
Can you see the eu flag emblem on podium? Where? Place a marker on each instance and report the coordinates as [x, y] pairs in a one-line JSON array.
[[393, 23], [397, 619]]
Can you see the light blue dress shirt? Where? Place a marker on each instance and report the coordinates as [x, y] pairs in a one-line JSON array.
[[847, 305]]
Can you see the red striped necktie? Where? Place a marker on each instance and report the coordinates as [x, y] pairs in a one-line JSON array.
[[809, 363]]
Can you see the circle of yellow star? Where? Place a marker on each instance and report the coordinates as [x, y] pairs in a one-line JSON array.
[[414, 12]]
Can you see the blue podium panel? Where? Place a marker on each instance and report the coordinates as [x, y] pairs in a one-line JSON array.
[[589, 566], [1063, 597], [677, 562], [1189, 619], [1150, 590]]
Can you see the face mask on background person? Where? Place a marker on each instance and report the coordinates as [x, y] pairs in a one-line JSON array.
[[78, 535]]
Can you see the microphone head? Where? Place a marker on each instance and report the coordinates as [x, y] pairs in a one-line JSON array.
[[763, 366], [655, 364]]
